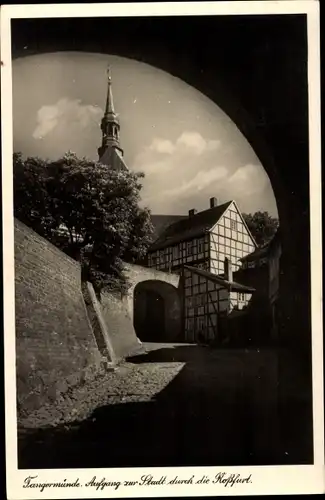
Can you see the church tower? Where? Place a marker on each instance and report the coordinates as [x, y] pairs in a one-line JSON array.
[[110, 152]]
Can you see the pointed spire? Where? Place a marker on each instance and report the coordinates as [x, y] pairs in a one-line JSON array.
[[110, 126], [109, 100]]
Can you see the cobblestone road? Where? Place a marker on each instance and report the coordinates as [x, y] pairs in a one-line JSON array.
[[176, 405]]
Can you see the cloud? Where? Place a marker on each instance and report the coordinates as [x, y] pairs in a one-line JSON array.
[[162, 146], [248, 180], [197, 143], [163, 154], [65, 112], [188, 171], [200, 182]]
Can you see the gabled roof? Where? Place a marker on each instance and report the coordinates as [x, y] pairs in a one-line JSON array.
[[245, 224], [190, 226], [233, 285]]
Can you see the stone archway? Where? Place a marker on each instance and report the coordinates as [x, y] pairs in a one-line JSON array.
[[157, 312], [270, 112]]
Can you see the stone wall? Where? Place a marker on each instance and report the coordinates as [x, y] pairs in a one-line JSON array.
[[55, 345], [64, 335]]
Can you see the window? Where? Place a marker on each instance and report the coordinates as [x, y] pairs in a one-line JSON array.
[[233, 225], [200, 323], [190, 248], [200, 246]]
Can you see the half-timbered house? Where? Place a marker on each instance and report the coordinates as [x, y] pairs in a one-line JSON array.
[[199, 246], [209, 300], [203, 239]]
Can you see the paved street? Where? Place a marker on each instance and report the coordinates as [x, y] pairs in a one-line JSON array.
[[175, 405]]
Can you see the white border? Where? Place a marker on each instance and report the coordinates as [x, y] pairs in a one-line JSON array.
[[163, 9], [266, 480]]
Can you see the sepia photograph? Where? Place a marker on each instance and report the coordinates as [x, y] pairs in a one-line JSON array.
[[162, 204]]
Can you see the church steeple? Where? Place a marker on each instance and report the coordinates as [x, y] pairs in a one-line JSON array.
[[110, 125]]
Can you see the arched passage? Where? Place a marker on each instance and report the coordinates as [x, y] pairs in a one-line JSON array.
[[255, 69], [270, 112], [157, 315]]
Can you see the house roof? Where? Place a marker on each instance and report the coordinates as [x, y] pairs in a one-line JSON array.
[[161, 222], [233, 285], [263, 251], [257, 254], [190, 226]]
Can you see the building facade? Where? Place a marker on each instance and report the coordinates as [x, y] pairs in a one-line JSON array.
[[209, 302], [204, 239], [205, 247], [261, 270]]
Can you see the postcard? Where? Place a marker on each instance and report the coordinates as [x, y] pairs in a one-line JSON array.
[[162, 249]]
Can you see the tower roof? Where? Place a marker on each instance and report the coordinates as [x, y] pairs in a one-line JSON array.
[[110, 152], [109, 109]]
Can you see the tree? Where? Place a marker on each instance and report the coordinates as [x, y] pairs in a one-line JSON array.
[[262, 226], [88, 210]]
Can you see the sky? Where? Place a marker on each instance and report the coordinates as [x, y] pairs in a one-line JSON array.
[[187, 147]]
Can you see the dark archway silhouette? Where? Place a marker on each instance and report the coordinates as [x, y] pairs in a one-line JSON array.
[[255, 69], [157, 312], [149, 315]]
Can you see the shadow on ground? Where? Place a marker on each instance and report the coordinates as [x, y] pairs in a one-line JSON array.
[[219, 410]]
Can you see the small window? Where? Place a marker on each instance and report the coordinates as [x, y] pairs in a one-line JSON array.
[[200, 246], [233, 225]]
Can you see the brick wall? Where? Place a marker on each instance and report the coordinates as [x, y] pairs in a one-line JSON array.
[[55, 345], [58, 341]]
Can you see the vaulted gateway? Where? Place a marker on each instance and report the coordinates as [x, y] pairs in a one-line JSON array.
[[157, 315]]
